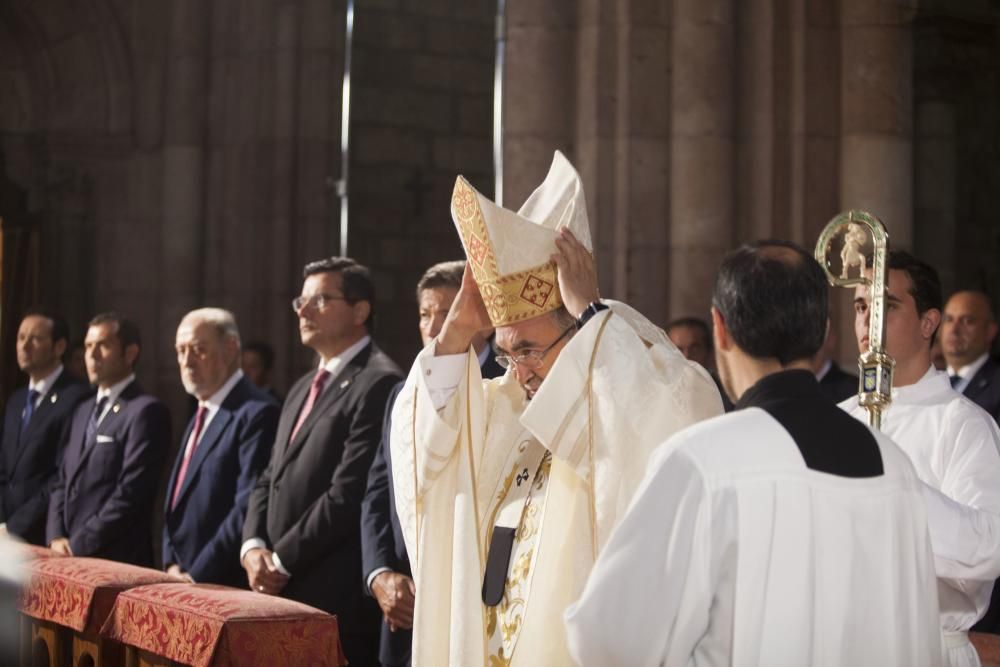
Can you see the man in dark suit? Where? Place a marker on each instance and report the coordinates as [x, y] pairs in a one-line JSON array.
[[385, 564], [225, 446], [302, 533], [35, 426], [835, 382], [968, 329], [694, 340], [258, 363], [102, 501]]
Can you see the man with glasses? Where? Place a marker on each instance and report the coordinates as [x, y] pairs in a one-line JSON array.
[[302, 532], [507, 489]]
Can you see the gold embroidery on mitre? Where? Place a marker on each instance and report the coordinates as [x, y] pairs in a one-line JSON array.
[[522, 295], [511, 298], [472, 228]]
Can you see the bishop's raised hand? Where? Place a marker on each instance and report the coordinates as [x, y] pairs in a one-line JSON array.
[[466, 318], [577, 273]]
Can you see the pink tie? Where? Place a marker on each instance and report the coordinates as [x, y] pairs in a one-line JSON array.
[[314, 391], [199, 421]]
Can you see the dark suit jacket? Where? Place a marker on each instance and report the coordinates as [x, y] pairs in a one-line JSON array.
[[838, 384], [382, 538], [307, 502], [28, 467], [984, 388], [203, 532], [381, 535], [103, 496]]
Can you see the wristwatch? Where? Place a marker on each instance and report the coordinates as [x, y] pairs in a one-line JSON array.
[[591, 310]]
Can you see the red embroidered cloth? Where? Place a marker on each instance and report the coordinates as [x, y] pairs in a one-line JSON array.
[[79, 593], [204, 624]]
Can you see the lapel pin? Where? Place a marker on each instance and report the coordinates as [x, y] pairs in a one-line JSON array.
[[55, 397], [116, 408], [344, 383]]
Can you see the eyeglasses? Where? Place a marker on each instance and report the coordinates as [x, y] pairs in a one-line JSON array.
[[531, 358], [318, 301]]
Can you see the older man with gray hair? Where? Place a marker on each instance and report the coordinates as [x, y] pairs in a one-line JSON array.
[[225, 446]]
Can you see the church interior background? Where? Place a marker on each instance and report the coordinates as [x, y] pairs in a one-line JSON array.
[[160, 155]]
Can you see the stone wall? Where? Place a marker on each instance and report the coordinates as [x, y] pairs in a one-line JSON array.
[[182, 153], [699, 124]]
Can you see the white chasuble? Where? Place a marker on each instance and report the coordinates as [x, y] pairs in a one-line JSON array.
[[609, 399]]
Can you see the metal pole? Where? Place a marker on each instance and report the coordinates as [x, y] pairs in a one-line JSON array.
[[345, 123], [498, 72]]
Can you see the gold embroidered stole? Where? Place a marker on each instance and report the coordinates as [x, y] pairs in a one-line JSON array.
[[504, 621]]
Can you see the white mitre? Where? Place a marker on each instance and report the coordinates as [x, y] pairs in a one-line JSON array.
[[510, 252]]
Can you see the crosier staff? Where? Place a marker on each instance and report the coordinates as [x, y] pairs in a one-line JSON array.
[[875, 366]]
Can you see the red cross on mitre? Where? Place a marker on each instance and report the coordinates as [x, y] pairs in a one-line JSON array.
[[536, 291], [477, 249]]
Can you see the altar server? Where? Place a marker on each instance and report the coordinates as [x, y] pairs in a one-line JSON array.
[[784, 533], [953, 444]]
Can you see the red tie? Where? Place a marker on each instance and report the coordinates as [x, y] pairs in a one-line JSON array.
[[314, 391], [199, 421]]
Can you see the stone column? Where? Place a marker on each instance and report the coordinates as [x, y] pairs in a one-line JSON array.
[[623, 120], [876, 159], [757, 108], [539, 89], [702, 156], [936, 169], [281, 269], [182, 237], [185, 116]]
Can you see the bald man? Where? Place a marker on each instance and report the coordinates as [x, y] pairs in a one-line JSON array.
[[968, 328], [967, 332]]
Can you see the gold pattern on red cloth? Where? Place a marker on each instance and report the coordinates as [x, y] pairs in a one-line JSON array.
[[203, 624], [79, 592]]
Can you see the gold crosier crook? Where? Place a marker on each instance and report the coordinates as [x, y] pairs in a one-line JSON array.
[[875, 366]]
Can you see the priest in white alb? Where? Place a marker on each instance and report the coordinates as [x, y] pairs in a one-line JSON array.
[[508, 489], [784, 533], [953, 444]]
